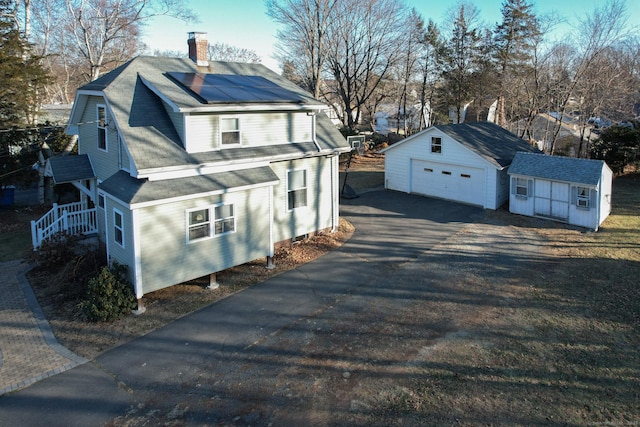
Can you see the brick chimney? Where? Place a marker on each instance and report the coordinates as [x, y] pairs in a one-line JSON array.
[[198, 48]]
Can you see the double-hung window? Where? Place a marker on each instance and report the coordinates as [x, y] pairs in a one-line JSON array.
[[118, 227], [296, 188], [583, 196], [436, 144], [199, 225], [229, 130], [225, 221], [102, 127], [211, 221]]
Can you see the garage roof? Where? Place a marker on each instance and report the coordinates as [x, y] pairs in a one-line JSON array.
[[490, 141]]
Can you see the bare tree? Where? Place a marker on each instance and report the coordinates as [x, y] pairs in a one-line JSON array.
[[597, 32], [107, 31], [225, 52], [364, 36], [303, 39]]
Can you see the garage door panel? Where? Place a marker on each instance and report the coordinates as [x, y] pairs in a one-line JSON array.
[[448, 182]]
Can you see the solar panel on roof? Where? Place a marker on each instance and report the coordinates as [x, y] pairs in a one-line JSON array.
[[227, 88]]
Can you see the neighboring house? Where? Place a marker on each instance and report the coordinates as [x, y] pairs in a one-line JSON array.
[[567, 189], [201, 166], [462, 162]]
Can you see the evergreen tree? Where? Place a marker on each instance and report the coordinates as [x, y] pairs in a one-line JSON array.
[[514, 42], [461, 60], [21, 73]]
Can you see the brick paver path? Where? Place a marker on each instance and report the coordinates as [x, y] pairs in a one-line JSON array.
[[28, 350]]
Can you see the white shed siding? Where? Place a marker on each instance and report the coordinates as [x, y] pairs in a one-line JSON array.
[[256, 129], [318, 214], [167, 258], [104, 163], [403, 163], [605, 194]]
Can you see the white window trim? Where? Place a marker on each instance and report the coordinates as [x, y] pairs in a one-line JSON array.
[[103, 198], [306, 188], [121, 148], [211, 209], [216, 219], [433, 138], [188, 225], [585, 199], [115, 227], [525, 186], [105, 127], [220, 132]]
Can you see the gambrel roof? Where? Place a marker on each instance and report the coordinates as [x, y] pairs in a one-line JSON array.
[[493, 143], [141, 95], [556, 168]]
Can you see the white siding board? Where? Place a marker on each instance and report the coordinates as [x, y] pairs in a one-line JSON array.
[[318, 214], [104, 163], [117, 253], [256, 129], [167, 258]]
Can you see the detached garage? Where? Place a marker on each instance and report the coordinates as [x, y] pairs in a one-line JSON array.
[[575, 191], [464, 162]]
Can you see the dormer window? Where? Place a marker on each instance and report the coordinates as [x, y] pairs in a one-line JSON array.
[[229, 131], [102, 127]]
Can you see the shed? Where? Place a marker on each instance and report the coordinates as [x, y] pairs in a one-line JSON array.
[[464, 162], [567, 189]]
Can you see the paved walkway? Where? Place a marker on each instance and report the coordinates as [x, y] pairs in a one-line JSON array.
[[29, 351]]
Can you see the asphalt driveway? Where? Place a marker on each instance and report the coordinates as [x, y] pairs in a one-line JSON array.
[[222, 363]]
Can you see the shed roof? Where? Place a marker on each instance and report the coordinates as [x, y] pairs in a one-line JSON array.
[[556, 168], [72, 168], [135, 191]]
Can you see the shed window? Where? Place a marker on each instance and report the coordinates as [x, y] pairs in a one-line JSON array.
[[230, 130], [296, 188], [102, 127], [522, 188], [583, 196], [436, 144]]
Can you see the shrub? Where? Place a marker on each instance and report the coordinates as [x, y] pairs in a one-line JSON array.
[[109, 295]]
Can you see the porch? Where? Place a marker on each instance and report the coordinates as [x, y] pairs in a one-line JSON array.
[[72, 218]]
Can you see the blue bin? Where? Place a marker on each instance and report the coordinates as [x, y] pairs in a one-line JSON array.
[[7, 196]]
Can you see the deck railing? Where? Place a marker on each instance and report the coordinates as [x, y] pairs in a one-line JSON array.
[[72, 218]]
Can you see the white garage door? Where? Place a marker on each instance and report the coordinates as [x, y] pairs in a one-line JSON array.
[[459, 183], [551, 199]]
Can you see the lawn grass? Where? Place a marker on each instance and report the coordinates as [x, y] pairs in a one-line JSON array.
[[14, 245]]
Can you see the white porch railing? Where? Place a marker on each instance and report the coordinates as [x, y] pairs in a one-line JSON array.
[[73, 218]]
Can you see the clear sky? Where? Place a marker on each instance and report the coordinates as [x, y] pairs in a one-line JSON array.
[[245, 24]]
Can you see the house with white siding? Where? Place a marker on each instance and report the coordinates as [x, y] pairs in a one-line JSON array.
[[567, 189], [464, 162], [196, 166]]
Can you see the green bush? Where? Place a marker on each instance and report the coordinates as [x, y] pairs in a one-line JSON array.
[[109, 295]]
